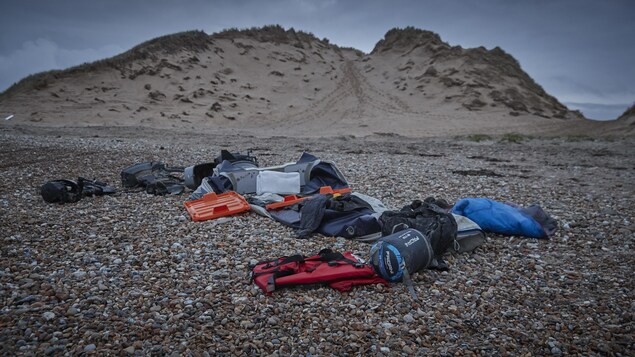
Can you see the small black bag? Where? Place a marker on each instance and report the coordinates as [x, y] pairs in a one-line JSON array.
[[61, 191]]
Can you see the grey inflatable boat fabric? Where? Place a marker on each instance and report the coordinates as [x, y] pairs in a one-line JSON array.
[[201, 190], [469, 235], [244, 180], [260, 210], [193, 175], [314, 173], [259, 202], [377, 205]]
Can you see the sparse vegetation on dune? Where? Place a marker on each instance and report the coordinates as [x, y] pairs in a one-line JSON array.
[[514, 138], [408, 36], [628, 112], [189, 41], [272, 33], [493, 70], [478, 137], [193, 41]]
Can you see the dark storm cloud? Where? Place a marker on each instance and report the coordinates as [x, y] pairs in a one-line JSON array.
[[579, 50]]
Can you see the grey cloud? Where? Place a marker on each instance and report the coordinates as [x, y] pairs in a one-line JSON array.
[[572, 85], [574, 90], [43, 55]]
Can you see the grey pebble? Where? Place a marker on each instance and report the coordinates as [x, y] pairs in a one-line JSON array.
[[26, 300]]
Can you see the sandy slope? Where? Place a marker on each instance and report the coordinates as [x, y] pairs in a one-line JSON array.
[[412, 84]]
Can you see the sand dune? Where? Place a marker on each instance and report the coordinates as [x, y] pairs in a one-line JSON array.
[[271, 81]]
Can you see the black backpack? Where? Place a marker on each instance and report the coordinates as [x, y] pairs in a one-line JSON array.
[[428, 218]]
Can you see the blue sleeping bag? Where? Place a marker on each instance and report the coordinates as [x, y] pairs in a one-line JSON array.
[[497, 217]]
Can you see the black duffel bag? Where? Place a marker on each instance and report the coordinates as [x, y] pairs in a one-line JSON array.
[[438, 225]]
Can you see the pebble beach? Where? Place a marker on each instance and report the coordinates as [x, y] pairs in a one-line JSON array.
[[131, 274]]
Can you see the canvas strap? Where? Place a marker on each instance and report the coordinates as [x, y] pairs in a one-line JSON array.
[[408, 281]]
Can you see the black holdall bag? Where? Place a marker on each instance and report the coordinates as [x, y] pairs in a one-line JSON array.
[[438, 225]]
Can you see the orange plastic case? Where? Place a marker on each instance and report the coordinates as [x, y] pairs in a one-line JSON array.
[[214, 206]]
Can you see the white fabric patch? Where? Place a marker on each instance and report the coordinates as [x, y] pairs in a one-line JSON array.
[[283, 183]]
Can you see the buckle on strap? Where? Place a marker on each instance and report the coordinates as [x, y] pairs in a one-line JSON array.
[[271, 284]]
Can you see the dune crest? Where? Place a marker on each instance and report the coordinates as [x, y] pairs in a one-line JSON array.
[[271, 81]]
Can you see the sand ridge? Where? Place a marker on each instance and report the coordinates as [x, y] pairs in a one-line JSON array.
[[271, 81]]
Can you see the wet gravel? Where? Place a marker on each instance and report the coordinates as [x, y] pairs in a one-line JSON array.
[[131, 274]]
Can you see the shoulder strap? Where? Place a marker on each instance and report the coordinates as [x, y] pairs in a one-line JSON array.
[[329, 256], [272, 270], [270, 263]]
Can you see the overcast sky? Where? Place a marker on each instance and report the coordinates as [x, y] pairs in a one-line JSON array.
[[580, 51]]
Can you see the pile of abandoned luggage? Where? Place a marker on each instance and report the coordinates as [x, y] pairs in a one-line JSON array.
[[313, 196]]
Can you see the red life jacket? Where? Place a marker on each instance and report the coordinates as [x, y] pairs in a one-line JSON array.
[[340, 271]]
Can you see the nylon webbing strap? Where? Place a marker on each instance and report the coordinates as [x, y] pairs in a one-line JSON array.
[[399, 225], [281, 261], [268, 264], [271, 282], [408, 281], [335, 256]]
